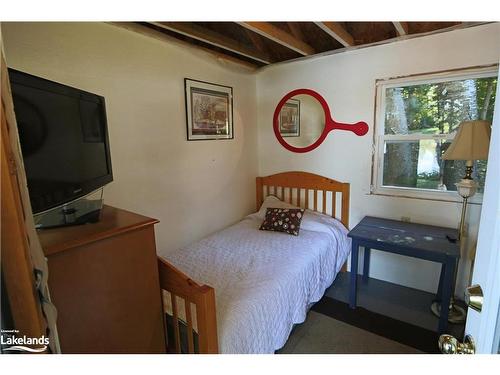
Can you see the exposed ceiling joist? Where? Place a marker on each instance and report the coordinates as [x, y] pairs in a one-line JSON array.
[[269, 42], [152, 33], [256, 40], [280, 36], [401, 28], [295, 29], [213, 38], [337, 31]]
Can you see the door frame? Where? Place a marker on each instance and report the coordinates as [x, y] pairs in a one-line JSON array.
[[482, 326], [21, 251]]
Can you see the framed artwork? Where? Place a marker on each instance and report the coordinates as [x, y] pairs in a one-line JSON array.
[[290, 118], [209, 110]]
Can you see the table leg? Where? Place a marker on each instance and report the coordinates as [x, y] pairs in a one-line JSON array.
[[354, 274], [366, 263], [439, 294], [448, 279]]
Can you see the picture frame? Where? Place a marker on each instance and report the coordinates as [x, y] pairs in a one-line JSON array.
[[209, 110], [289, 119]]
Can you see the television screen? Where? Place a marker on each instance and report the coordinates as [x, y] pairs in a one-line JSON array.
[[64, 140]]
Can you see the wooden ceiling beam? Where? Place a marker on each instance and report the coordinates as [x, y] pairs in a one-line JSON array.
[[158, 35], [213, 38], [280, 36], [401, 28], [256, 40], [337, 32], [295, 29]]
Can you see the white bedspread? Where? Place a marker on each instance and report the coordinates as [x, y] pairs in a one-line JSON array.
[[264, 281]]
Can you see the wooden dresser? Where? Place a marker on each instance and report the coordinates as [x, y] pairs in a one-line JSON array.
[[103, 280]]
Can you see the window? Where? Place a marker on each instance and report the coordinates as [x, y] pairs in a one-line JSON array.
[[416, 120]]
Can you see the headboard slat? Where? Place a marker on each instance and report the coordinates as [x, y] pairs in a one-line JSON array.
[[306, 181]]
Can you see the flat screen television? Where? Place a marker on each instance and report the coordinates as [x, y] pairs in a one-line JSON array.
[[64, 140]]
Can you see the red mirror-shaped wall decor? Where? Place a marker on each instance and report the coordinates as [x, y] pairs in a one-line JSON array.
[[297, 107]]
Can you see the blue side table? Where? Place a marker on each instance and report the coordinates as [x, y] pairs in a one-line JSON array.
[[415, 240]]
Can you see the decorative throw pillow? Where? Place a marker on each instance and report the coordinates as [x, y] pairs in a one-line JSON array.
[[285, 220]]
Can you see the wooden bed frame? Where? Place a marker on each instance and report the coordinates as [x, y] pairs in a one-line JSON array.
[[299, 188]]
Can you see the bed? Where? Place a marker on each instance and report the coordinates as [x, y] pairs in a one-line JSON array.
[[241, 290]]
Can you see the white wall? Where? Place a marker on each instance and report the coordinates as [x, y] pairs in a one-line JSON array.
[[347, 82], [193, 188]]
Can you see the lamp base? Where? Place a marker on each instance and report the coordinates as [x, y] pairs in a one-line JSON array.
[[456, 315]]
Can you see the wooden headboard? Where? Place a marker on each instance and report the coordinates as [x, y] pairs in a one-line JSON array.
[[307, 190]]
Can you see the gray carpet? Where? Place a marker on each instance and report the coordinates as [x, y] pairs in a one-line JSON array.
[[320, 334]]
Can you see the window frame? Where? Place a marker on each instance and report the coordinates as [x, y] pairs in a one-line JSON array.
[[379, 137]]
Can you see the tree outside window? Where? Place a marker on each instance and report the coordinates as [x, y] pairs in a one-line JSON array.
[[419, 121]]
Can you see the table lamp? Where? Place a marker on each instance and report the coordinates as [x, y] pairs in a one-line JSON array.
[[470, 143]]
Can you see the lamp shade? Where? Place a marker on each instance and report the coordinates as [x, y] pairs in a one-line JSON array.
[[471, 142]]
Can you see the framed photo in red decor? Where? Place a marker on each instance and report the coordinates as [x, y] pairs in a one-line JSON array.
[[290, 118]]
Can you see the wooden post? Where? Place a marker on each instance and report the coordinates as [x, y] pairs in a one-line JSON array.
[[345, 205], [207, 323], [258, 189]]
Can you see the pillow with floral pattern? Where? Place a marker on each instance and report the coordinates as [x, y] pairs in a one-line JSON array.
[[286, 220]]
